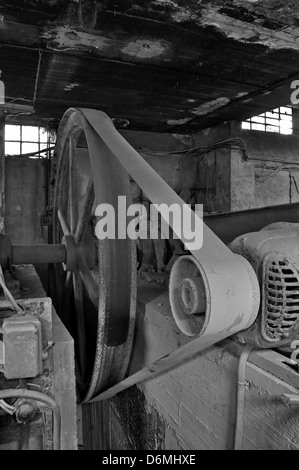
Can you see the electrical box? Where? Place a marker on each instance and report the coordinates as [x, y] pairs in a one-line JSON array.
[[22, 346]]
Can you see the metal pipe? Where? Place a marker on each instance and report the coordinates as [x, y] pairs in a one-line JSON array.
[[36, 254], [228, 226], [239, 428], [45, 399]]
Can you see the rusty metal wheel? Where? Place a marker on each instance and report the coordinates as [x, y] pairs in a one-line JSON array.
[[97, 289]]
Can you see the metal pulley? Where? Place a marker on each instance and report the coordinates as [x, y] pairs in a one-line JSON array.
[[213, 292]]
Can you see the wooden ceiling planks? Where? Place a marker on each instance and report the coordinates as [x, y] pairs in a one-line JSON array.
[[168, 66]]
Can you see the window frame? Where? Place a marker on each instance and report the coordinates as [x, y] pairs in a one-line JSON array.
[[40, 143], [264, 121]]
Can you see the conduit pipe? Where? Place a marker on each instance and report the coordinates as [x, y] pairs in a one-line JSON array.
[[43, 398]]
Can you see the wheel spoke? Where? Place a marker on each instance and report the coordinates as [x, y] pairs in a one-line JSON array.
[[66, 294], [88, 280], [67, 291], [80, 321], [85, 211], [63, 223]]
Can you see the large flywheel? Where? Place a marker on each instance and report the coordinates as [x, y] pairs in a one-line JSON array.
[[96, 289]]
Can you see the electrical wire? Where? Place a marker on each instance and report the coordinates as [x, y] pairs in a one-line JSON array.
[[273, 160], [200, 153], [231, 143], [37, 75], [274, 171], [46, 400], [7, 408], [8, 295]]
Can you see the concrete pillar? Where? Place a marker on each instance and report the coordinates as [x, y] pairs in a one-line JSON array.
[[2, 172], [225, 181], [242, 183]]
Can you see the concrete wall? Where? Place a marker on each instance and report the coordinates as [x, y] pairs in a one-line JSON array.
[[229, 183], [221, 180], [25, 199], [279, 185]]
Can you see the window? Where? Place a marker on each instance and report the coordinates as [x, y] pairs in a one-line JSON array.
[[279, 120], [20, 140]]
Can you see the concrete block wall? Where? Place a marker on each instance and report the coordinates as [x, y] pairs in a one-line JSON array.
[[279, 185], [25, 199]]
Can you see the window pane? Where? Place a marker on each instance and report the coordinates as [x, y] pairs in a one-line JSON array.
[[30, 134], [272, 115], [12, 132], [286, 131], [258, 119], [12, 148], [28, 148], [258, 127], [43, 134], [285, 110], [272, 129], [278, 120], [245, 125], [42, 147], [274, 122]]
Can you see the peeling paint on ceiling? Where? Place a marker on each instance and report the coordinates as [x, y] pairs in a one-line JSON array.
[[71, 86], [161, 63], [253, 34], [178, 122], [64, 37], [283, 11], [147, 49], [210, 106]]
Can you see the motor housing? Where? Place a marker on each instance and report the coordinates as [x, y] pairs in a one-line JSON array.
[[273, 253]]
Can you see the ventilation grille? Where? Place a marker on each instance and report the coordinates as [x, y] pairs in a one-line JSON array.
[[281, 298]]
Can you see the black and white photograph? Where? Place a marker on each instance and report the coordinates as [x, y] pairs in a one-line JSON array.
[[149, 228]]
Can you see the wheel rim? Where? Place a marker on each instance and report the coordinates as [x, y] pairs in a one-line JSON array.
[[103, 291]]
